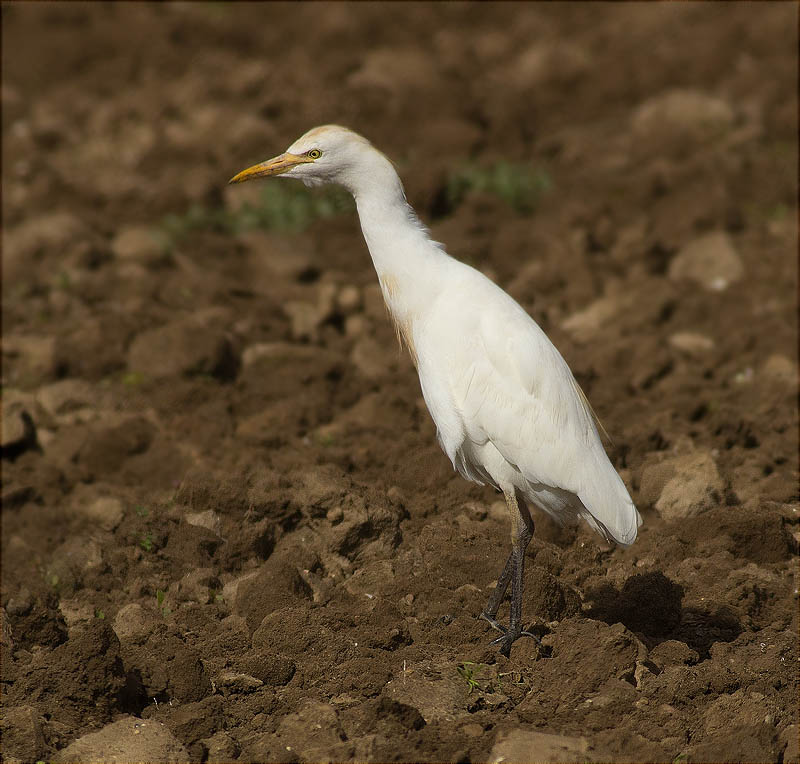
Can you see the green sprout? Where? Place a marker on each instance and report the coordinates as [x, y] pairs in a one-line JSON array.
[[779, 212], [467, 671], [517, 185], [160, 595], [133, 378], [280, 207], [62, 280], [325, 439]]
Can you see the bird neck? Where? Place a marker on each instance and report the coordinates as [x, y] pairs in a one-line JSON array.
[[407, 261]]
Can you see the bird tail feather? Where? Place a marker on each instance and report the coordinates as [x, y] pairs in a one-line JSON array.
[[608, 508]]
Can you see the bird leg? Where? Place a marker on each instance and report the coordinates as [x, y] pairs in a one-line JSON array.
[[490, 611], [513, 573]]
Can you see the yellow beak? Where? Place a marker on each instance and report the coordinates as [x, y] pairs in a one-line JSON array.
[[275, 166]]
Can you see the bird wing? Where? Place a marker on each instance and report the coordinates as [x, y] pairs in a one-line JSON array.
[[522, 396], [498, 378]]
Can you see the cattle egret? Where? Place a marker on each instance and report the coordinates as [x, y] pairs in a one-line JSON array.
[[508, 411]]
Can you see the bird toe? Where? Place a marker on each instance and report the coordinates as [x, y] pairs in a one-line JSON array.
[[493, 623], [534, 637]]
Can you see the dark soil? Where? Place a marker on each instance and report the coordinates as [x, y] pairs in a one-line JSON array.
[[224, 507]]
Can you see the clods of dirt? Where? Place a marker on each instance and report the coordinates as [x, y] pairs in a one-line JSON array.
[[228, 533]]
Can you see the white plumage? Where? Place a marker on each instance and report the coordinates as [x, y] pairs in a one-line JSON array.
[[508, 411]]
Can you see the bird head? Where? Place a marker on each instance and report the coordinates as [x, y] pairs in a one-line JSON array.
[[333, 154], [327, 154]]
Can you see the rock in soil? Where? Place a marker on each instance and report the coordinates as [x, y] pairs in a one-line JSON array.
[[527, 745], [711, 261], [23, 734], [186, 347], [126, 740]]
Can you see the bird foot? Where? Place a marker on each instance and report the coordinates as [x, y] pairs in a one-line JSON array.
[[493, 623], [507, 637], [505, 641]]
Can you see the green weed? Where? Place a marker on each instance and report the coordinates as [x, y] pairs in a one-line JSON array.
[[62, 280], [779, 212], [132, 378], [280, 207], [292, 207], [160, 595], [147, 542], [519, 186], [214, 8], [325, 439], [469, 671]]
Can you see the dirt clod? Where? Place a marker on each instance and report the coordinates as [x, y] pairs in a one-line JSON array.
[[229, 533], [128, 739]]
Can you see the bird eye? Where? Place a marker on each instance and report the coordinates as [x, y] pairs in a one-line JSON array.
[[314, 154]]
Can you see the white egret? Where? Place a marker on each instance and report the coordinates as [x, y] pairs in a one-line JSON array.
[[508, 411]]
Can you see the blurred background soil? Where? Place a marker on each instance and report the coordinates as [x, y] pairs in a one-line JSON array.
[[228, 532]]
